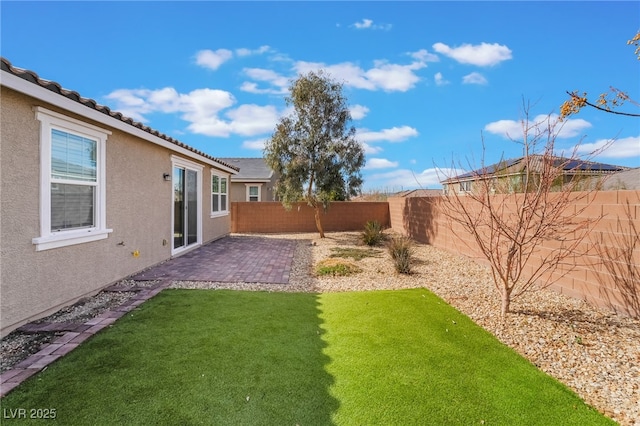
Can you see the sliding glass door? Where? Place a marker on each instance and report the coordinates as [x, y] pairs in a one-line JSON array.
[[186, 207]]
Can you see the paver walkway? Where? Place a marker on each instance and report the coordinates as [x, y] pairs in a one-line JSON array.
[[231, 259]]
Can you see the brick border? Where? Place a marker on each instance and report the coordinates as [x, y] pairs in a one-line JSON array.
[[64, 344]]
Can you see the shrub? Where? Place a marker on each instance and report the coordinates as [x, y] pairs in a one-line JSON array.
[[372, 234], [336, 267], [401, 251], [354, 253]]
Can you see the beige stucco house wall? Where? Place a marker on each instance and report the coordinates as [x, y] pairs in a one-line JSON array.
[[36, 279]]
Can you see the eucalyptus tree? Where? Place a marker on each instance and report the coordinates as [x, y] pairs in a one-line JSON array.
[[314, 149]]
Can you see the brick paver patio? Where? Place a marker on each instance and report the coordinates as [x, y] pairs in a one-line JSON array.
[[230, 259]]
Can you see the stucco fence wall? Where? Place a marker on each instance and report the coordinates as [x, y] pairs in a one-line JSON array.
[[422, 219], [272, 217]]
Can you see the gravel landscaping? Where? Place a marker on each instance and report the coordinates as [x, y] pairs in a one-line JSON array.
[[18, 345], [594, 352]]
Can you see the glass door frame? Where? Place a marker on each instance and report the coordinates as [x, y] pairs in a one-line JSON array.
[[187, 166]]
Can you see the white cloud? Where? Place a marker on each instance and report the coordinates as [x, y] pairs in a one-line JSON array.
[[246, 120], [201, 104], [482, 55], [358, 112], [505, 128], [404, 178], [511, 129], [252, 119], [243, 52], [394, 77], [474, 78], [201, 108], [380, 163], [370, 149], [213, 59], [248, 52], [256, 144], [131, 103], [347, 72], [394, 134], [271, 77], [169, 100], [137, 102], [367, 24], [262, 74], [568, 128], [210, 126], [439, 79], [251, 87], [385, 76], [628, 147], [423, 56]]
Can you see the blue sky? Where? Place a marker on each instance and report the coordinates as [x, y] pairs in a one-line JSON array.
[[427, 82]]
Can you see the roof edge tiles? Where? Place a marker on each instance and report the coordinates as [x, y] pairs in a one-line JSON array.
[[32, 77]]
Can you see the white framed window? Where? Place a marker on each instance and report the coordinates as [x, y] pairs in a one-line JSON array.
[[219, 194], [465, 186], [253, 192], [72, 181]]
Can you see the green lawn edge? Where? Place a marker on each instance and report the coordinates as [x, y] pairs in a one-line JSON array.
[[239, 357]]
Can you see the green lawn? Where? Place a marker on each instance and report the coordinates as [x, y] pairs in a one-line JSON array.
[[251, 358]]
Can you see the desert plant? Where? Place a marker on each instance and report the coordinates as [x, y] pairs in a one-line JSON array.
[[354, 253], [401, 251], [372, 234], [336, 267]]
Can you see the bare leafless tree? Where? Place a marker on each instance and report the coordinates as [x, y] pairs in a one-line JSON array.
[[515, 207]]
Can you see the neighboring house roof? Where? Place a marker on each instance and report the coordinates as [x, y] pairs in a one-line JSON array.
[[627, 179], [92, 105], [517, 165], [251, 169], [419, 193]]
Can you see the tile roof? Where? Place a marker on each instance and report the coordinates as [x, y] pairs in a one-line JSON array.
[[627, 179], [250, 168], [32, 77]]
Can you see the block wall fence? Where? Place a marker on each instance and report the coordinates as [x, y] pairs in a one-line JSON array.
[[422, 220], [272, 217]]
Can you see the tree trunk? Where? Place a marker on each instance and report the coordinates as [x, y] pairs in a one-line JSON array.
[[318, 221], [506, 301]]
